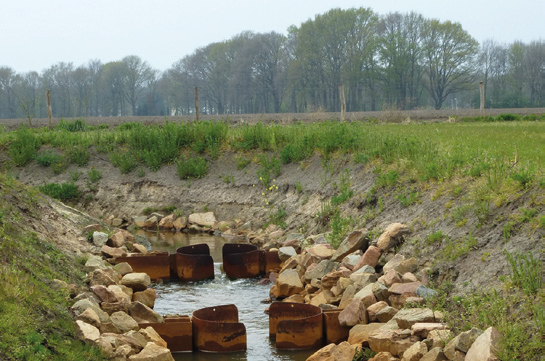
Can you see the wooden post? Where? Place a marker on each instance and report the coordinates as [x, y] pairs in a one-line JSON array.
[[49, 108], [482, 99], [343, 102], [197, 103]]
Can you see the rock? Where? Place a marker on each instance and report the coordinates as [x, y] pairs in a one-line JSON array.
[[104, 293], [93, 263], [86, 332], [351, 261], [341, 352], [400, 301], [112, 307], [106, 277], [393, 264], [409, 277], [359, 334], [322, 297], [122, 293], [167, 222], [439, 338], [80, 306], [425, 292], [485, 347], [370, 257], [105, 346], [90, 316], [354, 314], [366, 295], [140, 221], [147, 297], [462, 343], [203, 219], [390, 277], [123, 321], [122, 353], [288, 283], [331, 279], [380, 291], [123, 268], [284, 253], [409, 265], [119, 238], [111, 252], [374, 309], [407, 317], [423, 329], [151, 335], [143, 314], [153, 352], [386, 314], [435, 354], [109, 327], [401, 288], [389, 341], [363, 279], [384, 356], [321, 251], [415, 352], [321, 269], [151, 222], [180, 223], [100, 238], [138, 281], [140, 248], [354, 241], [392, 236]]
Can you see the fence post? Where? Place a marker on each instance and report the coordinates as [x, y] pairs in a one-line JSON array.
[[197, 103], [343, 102], [49, 108], [482, 98]]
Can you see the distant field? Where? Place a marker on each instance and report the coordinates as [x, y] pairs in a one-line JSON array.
[[286, 118]]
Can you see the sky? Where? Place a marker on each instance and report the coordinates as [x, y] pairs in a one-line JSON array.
[[36, 34]]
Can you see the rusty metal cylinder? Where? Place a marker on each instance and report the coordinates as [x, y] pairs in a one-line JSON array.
[[194, 263], [295, 326], [216, 329], [156, 265], [241, 260]]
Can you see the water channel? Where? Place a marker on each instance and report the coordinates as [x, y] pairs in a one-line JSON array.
[[174, 297]]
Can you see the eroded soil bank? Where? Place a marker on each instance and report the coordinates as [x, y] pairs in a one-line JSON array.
[[451, 233]]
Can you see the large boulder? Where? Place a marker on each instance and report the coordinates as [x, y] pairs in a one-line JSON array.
[[285, 253], [167, 223], [100, 238], [435, 354], [354, 241], [359, 334], [203, 219], [320, 270], [123, 322], [80, 306], [370, 258], [112, 252], [389, 341], [401, 288], [119, 238], [375, 308], [90, 316], [341, 352], [415, 352], [288, 283], [151, 335], [461, 343], [153, 352], [321, 250], [104, 293], [138, 281], [143, 314], [147, 297], [106, 277]]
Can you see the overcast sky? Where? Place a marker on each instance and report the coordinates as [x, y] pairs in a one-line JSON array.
[[36, 34]]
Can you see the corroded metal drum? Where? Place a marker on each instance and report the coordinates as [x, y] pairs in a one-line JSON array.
[[176, 331], [269, 261], [216, 329], [295, 326], [333, 331], [156, 265], [194, 263], [241, 260]]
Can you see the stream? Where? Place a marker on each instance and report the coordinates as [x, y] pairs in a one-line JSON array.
[[174, 297]]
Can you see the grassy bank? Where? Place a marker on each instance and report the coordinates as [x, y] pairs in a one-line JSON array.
[[36, 323]]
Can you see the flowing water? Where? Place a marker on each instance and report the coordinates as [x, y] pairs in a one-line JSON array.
[[183, 298]]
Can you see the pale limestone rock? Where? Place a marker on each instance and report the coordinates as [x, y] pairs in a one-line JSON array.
[[354, 314], [366, 295], [89, 316], [123, 268], [180, 223], [415, 352], [392, 236], [374, 309], [123, 321], [360, 333], [86, 332], [357, 240], [439, 338], [143, 314], [112, 252], [147, 297], [321, 251], [386, 314], [435, 354], [384, 356], [284, 253], [389, 341], [138, 281], [80, 306], [153, 352], [289, 283], [390, 277], [121, 293], [100, 238], [103, 293], [167, 222], [151, 335], [407, 317], [423, 329], [341, 352], [401, 288], [206, 219], [461, 343], [409, 277], [370, 257], [485, 346]]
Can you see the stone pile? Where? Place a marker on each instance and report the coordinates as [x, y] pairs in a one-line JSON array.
[[381, 296], [113, 311]]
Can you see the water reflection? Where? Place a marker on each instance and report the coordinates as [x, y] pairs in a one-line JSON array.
[[184, 298]]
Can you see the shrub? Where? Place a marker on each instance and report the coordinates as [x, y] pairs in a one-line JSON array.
[[63, 191], [94, 175], [191, 168], [125, 161], [48, 158], [435, 237], [508, 117], [526, 272], [24, 147], [77, 125], [78, 154]]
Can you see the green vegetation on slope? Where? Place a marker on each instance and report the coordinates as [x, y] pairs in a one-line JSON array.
[[36, 323]]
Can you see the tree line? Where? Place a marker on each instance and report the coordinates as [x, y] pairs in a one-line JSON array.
[[393, 61]]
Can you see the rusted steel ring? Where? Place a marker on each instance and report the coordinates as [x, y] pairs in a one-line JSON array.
[[241, 260], [155, 265], [176, 331], [194, 263], [216, 329], [295, 326]]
